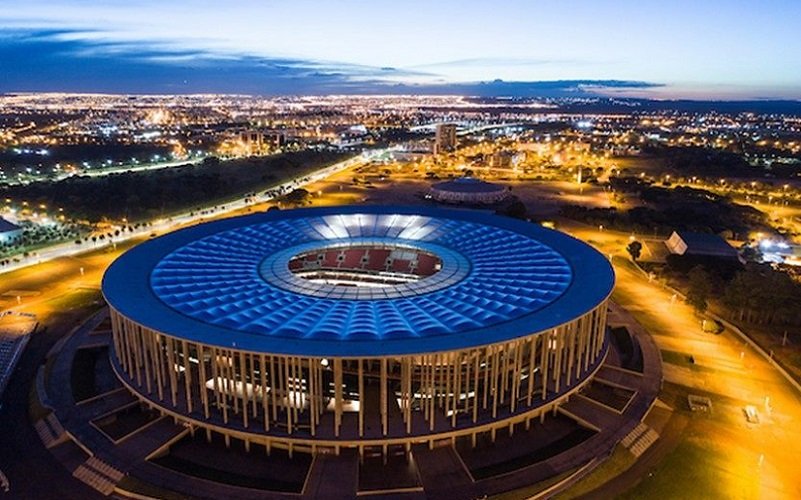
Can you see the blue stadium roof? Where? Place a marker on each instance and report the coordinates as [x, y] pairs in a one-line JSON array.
[[227, 282]]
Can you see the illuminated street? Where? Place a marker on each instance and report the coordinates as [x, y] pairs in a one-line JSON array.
[[176, 221], [425, 251], [738, 459]]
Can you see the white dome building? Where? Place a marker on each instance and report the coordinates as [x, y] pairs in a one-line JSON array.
[[469, 190]]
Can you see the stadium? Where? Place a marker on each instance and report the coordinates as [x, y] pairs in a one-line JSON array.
[[468, 190], [370, 328]]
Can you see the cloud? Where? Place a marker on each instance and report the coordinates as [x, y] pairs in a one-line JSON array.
[[704, 48], [64, 60], [488, 62], [544, 89], [85, 61]]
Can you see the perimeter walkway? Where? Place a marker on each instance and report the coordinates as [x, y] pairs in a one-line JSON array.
[[15, 331], [442, 472]]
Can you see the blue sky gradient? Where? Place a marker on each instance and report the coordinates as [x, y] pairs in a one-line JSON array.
[[711, 49]]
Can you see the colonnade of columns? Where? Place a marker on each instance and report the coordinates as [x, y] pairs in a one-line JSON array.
[[282, 397]]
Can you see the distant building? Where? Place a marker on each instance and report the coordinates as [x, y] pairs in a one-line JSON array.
[[780, 252], [408, 155], [582, 147], [700, 244], [538, 148], [252, 138], [500, 159], [8, 231], [468, 190], [354, 135], [445, 138], [256, 140]]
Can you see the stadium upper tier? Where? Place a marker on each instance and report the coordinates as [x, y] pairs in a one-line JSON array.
[[449, 279]]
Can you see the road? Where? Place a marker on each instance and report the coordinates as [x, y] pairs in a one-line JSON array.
[[716, 456], [736, 459], [69, 248], [720, 455], [431, 127], [58, 291], [139, 167]]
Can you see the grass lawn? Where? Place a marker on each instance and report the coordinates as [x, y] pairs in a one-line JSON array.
[[75, 299], [620, 460], [675, 357], [683, 359], [689, 471]]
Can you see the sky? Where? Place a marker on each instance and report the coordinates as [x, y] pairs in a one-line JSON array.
[[699, 49]]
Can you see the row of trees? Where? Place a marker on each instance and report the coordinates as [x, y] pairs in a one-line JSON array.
[[756, 294], [699, 289], [765, 296], [36, 235], [152, 194], [710, 163], [673, 209], [701, 218]]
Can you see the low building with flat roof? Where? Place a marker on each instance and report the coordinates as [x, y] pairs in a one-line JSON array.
[[8, 231], [700, 244]]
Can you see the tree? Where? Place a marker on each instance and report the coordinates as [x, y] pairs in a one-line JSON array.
[[297, 196], [763, 295], [738, 295], [514, 208], [751, 253], [634, 248], [698, 291]]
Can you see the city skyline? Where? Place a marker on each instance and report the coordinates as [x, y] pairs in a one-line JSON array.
[[717, 51]]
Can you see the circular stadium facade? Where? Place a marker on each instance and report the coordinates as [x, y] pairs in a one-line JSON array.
[[468, 190], [367, 327]]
